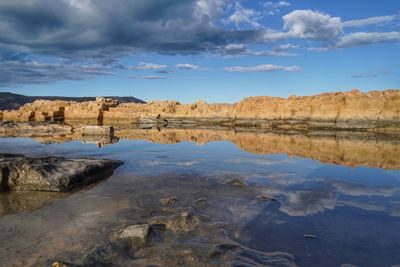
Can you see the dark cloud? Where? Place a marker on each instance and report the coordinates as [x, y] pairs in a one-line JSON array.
[[100, 32], [97, 27], [16, 72]]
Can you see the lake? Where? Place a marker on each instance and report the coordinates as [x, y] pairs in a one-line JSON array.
[[327, 199]]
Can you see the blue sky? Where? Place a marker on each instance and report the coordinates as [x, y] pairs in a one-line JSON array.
[[216, 50]]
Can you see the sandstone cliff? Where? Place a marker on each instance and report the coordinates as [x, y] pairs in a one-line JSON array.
[[374, 111]]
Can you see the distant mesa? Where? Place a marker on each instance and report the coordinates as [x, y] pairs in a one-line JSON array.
[[12, 101]]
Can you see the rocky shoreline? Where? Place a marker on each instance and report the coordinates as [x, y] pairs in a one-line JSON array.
[[350, 148], [377, 111], [56, 174]]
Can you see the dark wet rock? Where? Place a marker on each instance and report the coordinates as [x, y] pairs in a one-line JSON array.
[[237, 183], [110, 252], [169, 200], [199, 200], [231, 254], [58, 174], [266, 198]]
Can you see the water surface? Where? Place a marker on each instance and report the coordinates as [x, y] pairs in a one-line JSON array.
[[337, 196]]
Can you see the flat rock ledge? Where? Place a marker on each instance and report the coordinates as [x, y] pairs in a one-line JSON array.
[[57, 174]]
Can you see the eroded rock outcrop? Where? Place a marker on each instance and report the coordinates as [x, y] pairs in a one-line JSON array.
[[18, 172], [374, 111]]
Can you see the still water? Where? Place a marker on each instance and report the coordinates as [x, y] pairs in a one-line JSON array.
[[337, 198]]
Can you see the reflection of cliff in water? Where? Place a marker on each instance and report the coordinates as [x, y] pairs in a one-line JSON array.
[[344, 148], [351, 149]]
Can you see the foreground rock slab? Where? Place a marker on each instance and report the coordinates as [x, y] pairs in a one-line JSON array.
[[20, 173]]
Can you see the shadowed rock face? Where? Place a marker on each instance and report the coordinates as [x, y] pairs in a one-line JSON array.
[[51, 173]]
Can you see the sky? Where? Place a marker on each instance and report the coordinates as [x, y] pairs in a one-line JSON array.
[[185, 50]]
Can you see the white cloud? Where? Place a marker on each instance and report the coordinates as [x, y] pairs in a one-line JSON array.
[[147, 66], [187, 66], [151, 77], [312, 24], [284, 47], [277, 4], [369, 21], [235, 47], [263, 68], [363, 38], [245, 16], [273, 8]]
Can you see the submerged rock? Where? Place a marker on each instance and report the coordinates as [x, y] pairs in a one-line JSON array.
[[266, 198], [237, 183], [169, 200], [137, 233], [231, 254], [185, 221], [18, 172]]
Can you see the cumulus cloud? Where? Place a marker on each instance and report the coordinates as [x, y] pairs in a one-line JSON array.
[[263, 68], [100, 32], [187, 66], [210, 8], [369, 21], [312, 24], [97, 28]]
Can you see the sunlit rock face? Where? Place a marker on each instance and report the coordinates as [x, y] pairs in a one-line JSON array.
[[374, 111]]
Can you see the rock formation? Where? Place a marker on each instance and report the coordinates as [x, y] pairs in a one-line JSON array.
[[374, 111], [19, 173]]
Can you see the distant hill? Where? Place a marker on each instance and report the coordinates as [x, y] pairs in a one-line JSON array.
[[14, 101]]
